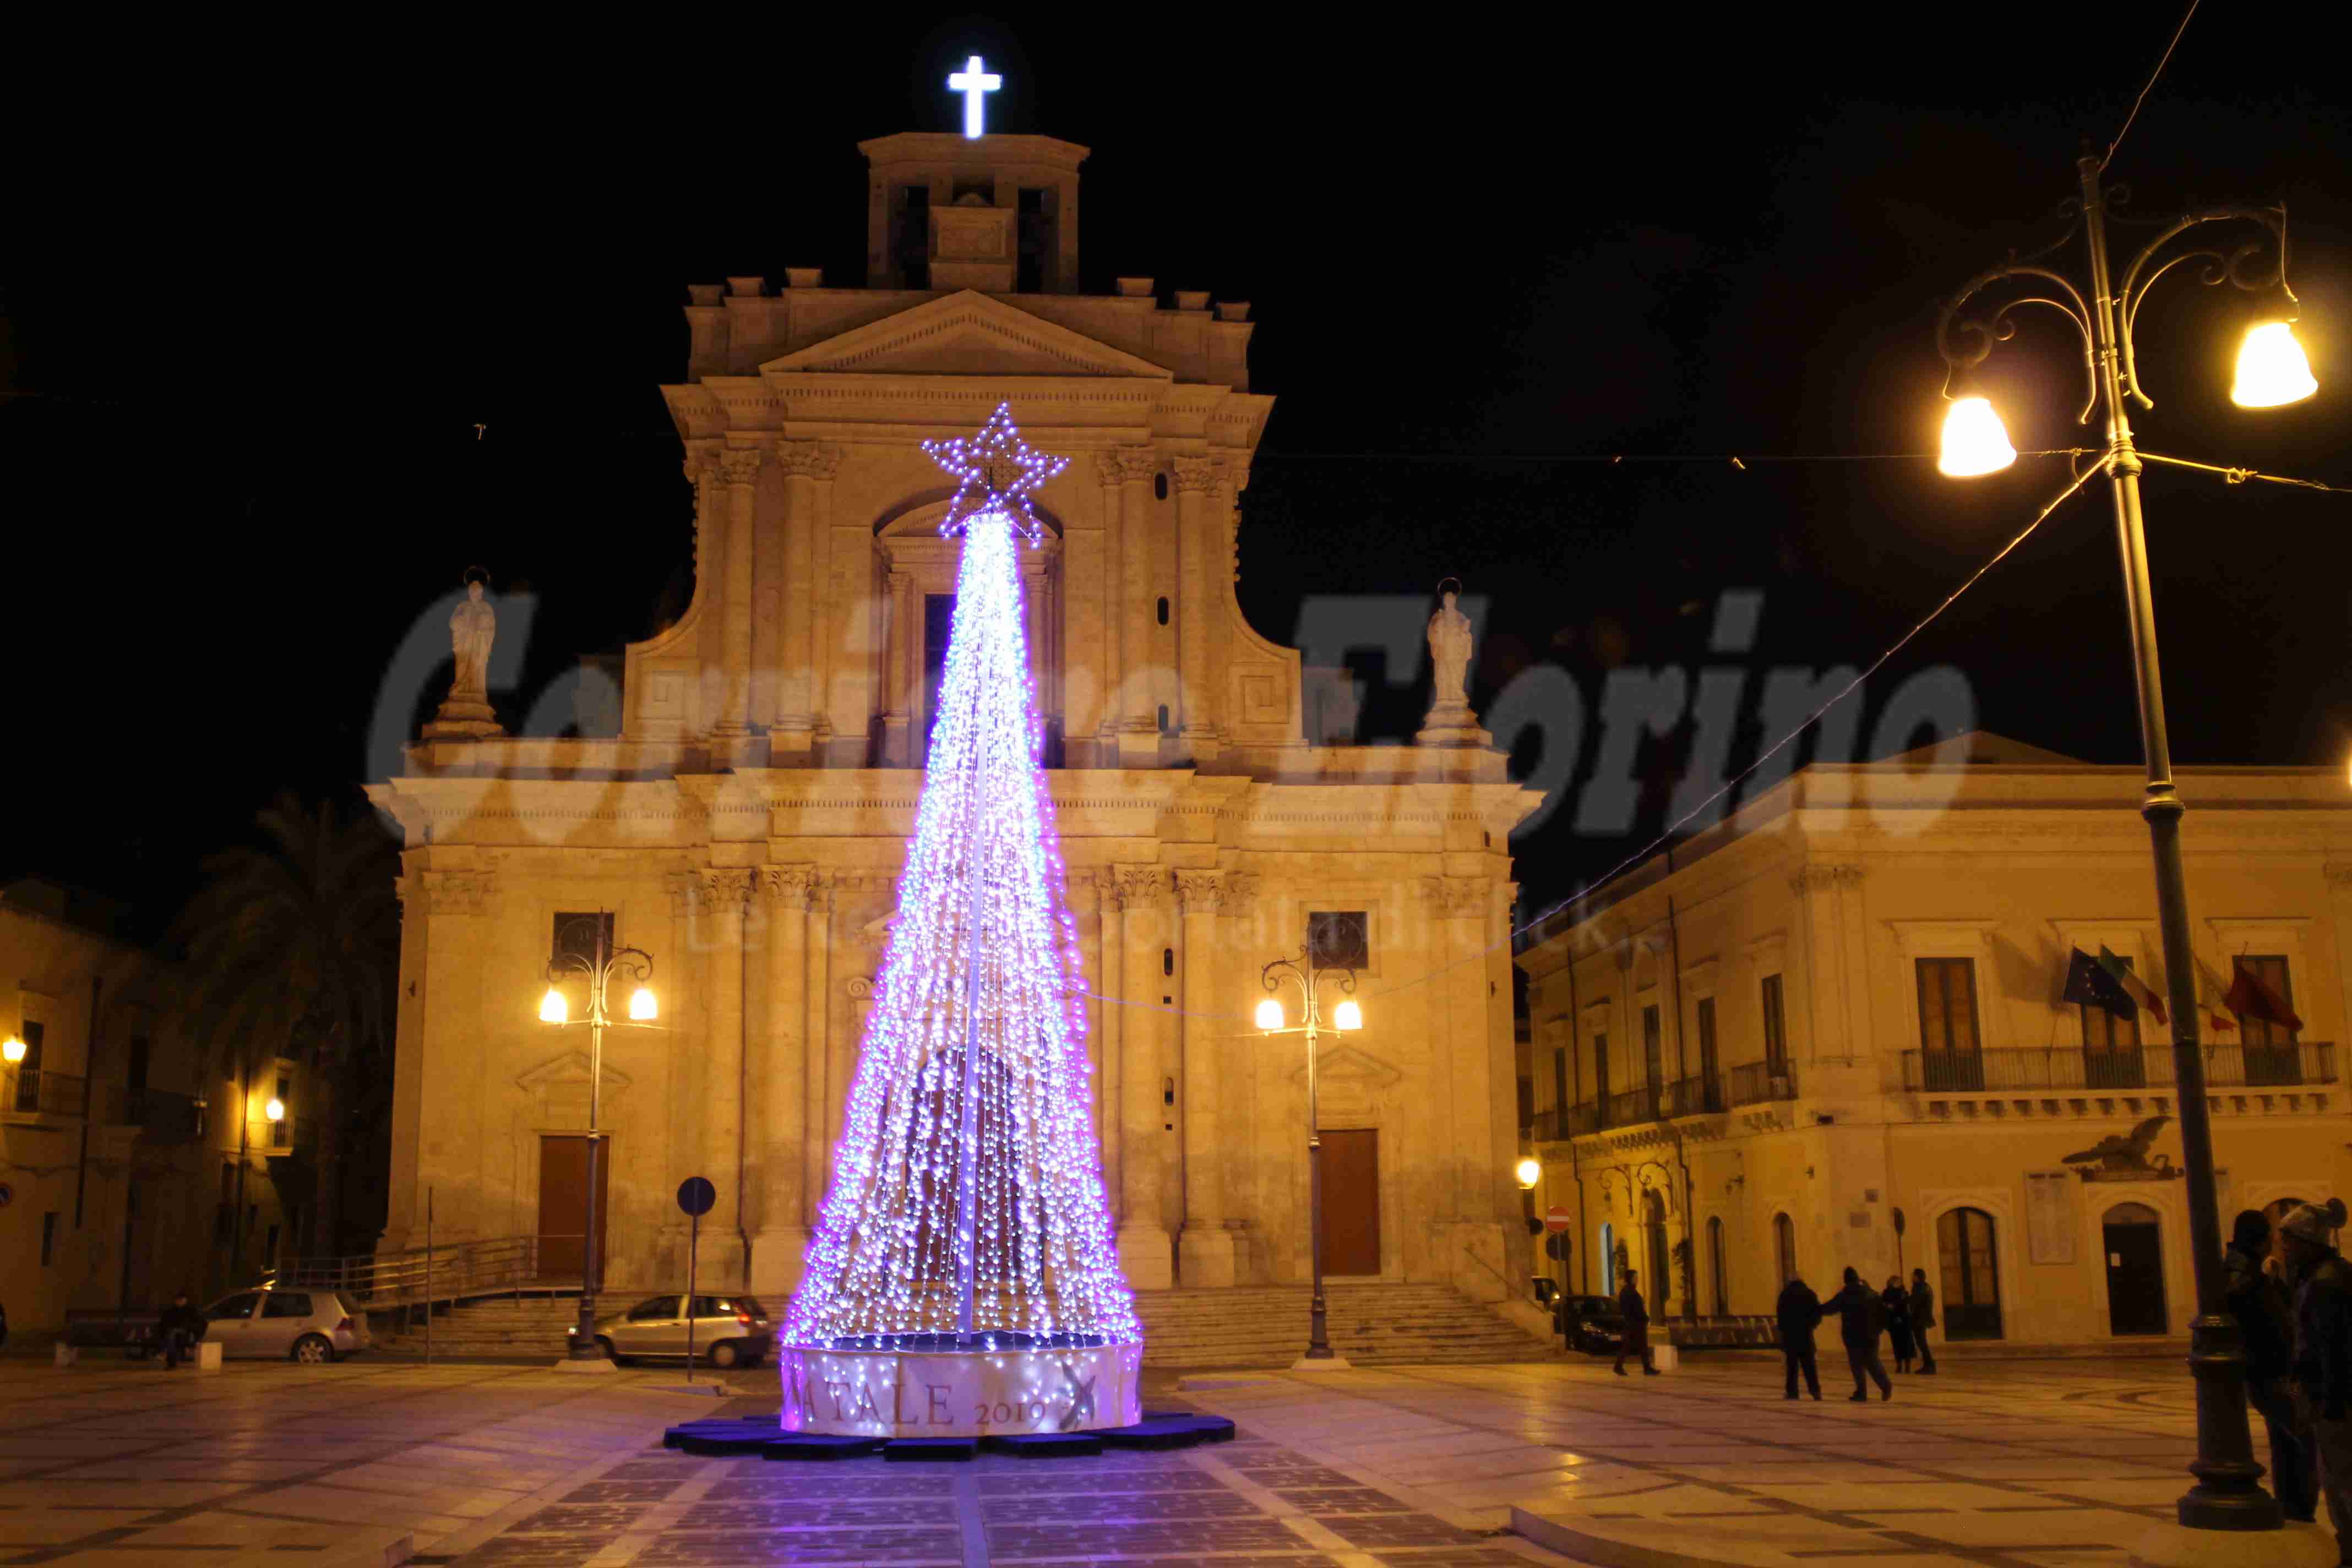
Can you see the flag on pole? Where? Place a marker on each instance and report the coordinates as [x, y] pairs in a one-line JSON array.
[[2120, 971], [2208, 990], [2092, 986], [2249, 997]]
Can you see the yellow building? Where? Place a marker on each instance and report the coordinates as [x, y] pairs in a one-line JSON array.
[[746, 826], [1833, 1032]]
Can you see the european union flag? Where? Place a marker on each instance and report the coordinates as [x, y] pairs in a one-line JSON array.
[[2092, 986]]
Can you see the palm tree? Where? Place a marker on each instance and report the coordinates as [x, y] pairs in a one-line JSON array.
[[293, 942]]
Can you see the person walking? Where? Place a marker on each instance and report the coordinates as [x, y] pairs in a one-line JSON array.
[[2321, 1364], [1922, 1317], [1897, 1303], [2259, 1302], [1800, 1312], [1636, 1341], [1862, 1319], [180, 1327]]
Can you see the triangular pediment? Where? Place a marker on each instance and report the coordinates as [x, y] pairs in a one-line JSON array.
[[1350, 1064], [967, 334]]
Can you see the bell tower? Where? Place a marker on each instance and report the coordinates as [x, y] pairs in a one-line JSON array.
[[996, 214]]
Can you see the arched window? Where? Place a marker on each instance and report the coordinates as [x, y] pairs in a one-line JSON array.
[[2134, 1239], [1654, 1242], [1965, 1248], [1784, 1246], [1716, 1264], [1607, 1283]]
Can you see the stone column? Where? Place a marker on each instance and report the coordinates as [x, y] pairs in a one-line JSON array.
[[783, 1236], [806, 465], [1112, 675], [1460, 905], [822, 1093], [1143, 1243], [732, 732], [900, 671], [680, 981], [725, 890], [825, 609], [1235, 988], [1139, 722], [1110, 1101], [1205, 1247], [1194, 624]]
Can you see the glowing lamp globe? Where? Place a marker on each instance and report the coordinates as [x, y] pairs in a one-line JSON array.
[[2272, 369], [1348, 1015], [1269, 1014], [276, 1109], [1974, 442], [641, 1005], [552, 1009], [12, 1050], [1529, 1171]]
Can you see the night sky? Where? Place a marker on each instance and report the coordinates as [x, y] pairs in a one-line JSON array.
[[256, 306]]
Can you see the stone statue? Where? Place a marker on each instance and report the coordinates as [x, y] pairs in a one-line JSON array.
[[473, 626], [1449, 650]]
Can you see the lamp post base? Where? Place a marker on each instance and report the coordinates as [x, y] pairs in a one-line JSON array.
[[2292, 1546], [1333, 1362], [596, 1363]]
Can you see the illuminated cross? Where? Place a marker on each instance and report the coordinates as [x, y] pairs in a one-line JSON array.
[[974, 83]]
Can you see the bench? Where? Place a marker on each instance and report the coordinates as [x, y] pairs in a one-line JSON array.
[[113, 1328]]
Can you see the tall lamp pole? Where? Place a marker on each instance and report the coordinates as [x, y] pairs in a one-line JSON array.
[[2228, 1494], [1347, 1014], [599, 969]]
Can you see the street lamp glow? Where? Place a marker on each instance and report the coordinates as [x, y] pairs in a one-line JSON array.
[[1529, 1171], [552, 1008], [641, 1005], [12, 1050], [2272, 369], [1348, 1015], [274, 1110], [1269, 1015], [1974, 441]]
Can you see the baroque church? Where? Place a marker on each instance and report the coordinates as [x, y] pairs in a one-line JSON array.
[[746, 828]]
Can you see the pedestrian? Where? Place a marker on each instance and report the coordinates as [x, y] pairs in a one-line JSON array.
[[2321, 1367], [1862, 1319], [1636, 1313], [180, 1327], [1897, 1303], [1922, 1317], [1800, 1313], [2265, 1327]]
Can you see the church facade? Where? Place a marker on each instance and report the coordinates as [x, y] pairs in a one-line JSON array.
[[746, 828]]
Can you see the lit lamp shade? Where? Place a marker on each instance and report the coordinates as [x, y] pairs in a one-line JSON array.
[[1348, 1015], [1269, 1014], [552, 1008], [1529, 1171], [12, 1050], [276, 1109], [641, 1005], [1974, 442], [2272, 369]]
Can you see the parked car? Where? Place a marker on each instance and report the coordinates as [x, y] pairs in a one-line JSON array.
[[1591, 1323], [308, 1326], [728, 1331]]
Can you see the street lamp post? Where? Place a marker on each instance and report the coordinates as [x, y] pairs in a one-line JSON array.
[[2228, 1494], [1346, 1015], [632, 964]]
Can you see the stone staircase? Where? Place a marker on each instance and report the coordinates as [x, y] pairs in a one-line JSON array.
[[1249, 1326]]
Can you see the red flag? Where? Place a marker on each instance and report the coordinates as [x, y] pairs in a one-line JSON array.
[[2249, 999]]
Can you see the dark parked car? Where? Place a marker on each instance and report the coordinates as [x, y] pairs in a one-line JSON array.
[[1591, 1323]]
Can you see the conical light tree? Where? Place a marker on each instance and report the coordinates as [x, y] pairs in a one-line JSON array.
[[967, 1208]]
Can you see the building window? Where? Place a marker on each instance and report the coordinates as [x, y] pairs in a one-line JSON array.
[[910, 236], [1784, 1246], [575, 935], [1654, 1242], [2268, 968], [1601, 1070], [1970, 1267], [1710, 1087], [1950, 1047], [1716, 1267], [938, 629], [1163, 607], [1339, 939], [1559, 1101], [224, 1216], [2111, 1057], [1776, 1026], [28, 1071], [48, 1238], [1159, 492]]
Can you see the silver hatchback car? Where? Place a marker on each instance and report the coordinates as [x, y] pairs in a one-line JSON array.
[[310, 1326], [728, 1331]]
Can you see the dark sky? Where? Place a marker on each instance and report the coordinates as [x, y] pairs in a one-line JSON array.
[[260, 290]]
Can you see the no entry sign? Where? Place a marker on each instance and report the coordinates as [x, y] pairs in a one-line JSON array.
[[1556, 1219]]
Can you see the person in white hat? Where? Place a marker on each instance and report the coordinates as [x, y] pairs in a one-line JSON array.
[[2322, 1281]]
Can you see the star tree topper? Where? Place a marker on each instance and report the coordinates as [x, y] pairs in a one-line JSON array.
[[996, 471]]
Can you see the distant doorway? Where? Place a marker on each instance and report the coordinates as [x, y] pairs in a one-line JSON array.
[[1968, 1251], [563, 1205], [2134, 1242], [938, 629], [1351, 1200]]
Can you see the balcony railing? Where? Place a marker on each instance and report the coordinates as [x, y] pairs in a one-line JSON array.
[[32, 1091], [1759, 1083], [1698, 1095], [1630, 1107], [2075, 1068], [162, 1115], [277, 1135]]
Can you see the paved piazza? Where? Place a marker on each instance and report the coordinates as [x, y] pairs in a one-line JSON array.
[[1995, 1463]]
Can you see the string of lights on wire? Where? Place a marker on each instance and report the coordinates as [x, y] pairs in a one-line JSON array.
[[967, 1195]]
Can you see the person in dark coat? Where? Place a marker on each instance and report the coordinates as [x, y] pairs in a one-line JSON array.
[[1636, 1313], [1862, 1319], [2259, 1301], [1922, 1317], [1799, 1312], [1897, 1304], [180, 1327], [2321, 1365]]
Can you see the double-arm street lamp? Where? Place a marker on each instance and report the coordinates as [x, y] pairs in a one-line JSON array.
[[601, 969], [2271, 371], [1345, 1016]]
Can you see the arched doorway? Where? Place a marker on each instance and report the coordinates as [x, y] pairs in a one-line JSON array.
[[1654, 1241], [1784, 1246], [1970, 1258], [1715, 1266], [2134, 1238], [1608, 1283]]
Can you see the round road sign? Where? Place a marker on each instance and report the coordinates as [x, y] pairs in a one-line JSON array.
[[695, 1194], [1556, 1219]]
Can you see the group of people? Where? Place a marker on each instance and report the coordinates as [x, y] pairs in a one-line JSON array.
[[2291, 1293], [1865, 1316]]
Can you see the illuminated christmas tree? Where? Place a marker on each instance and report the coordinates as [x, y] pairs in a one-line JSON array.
[[967, 1214]]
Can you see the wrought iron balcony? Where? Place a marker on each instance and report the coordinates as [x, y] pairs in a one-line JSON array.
[[2071, 1068], [33, 1091], [1698, 1095], [162, 1115], [1760, 1083]]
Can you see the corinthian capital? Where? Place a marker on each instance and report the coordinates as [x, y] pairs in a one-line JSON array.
[[1240, 892], [1134, 465], [725, 888], [788, 886], [740, 465], [1200, 892], [808, 460], [1195, 474], [1142, 886]]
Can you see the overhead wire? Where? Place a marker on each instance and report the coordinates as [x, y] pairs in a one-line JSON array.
[[2145, 86]]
